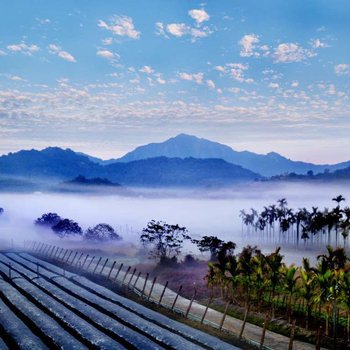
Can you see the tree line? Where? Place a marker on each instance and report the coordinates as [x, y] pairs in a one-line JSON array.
[[316, 295], [327, 224]]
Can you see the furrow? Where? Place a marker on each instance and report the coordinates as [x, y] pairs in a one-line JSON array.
[[112, 327], [79, 328], [191, 334]]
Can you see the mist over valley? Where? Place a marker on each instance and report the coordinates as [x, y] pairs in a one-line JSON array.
[[202, 212]]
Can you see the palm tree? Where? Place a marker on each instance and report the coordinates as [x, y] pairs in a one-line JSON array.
[[232, 272], [334, 259], [300, 217], [274, 262], [220, 266], [338, 199], [290, 281], [323, 278], [345, 297], [282, 203], [331, 265], [307, 288], [337, 213], [272, 215], [246, 272], [259, 279], [243, 214], [345, 224]]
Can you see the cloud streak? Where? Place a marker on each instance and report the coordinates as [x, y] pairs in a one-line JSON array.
[[121, 26], [23, 48], [57, 50]]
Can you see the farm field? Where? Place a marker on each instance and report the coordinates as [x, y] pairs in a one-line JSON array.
[[42, 309]]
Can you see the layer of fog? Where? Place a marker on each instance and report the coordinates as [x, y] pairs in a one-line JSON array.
[[203, 213]]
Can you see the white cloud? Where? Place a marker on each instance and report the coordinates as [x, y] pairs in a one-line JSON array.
[[23, 48], [180, 30], [57, 50], [294, 84], [331, 89], [196, 77], [160, 30], [318, 44], [199, 16], [43, 20], [16, 78], [2, 53], [53, 47], [234, 90], [210, 83], [197, 33], [342, 69], [220, 68], [274, 85], [146, 70], [107, 54], [177, 29], [121, 26], [160, 80], [240, 66], [107, 41], [134, 81], [235, 71], [291, 52], [248, 44], [66, 56]]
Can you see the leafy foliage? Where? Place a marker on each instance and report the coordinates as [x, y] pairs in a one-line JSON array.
[[212, 244], [101, 233], [48, 220], [66, 227], [166, 240]]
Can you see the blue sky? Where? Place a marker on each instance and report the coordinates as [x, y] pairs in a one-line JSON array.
[[103, 77]]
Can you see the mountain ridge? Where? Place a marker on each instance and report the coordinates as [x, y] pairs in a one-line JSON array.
[[54, 165], [184, 145], [189, 153]]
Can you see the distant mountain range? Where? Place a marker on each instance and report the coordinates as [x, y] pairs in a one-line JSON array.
[[183, 146], [182, 161], [54, 164]]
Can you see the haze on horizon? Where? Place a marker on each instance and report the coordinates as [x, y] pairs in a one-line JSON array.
[[213, 212], [103, 78]]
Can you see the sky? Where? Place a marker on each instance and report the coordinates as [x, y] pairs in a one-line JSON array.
[[104, 77]]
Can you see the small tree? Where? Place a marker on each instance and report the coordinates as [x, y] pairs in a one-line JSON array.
[[67, 227], [212, 244], [167, 240], [101, 233], [48, 220]]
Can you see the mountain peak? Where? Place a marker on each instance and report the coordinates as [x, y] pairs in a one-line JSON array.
[[183, 136], [184, 145], [275, 155]]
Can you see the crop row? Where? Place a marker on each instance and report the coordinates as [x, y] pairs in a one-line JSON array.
[[43, 306]]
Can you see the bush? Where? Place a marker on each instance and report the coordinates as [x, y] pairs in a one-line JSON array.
[[190, 260]]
